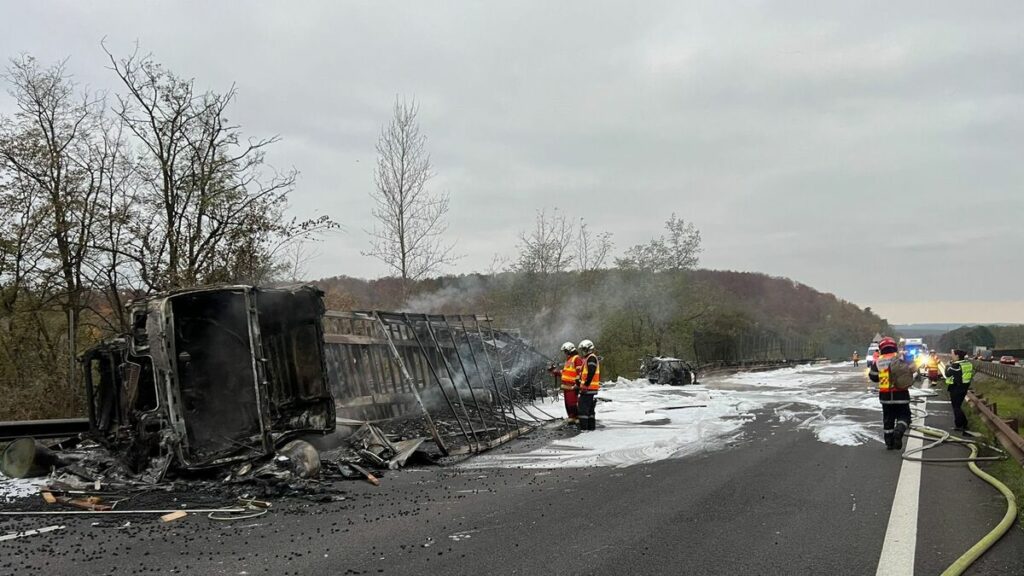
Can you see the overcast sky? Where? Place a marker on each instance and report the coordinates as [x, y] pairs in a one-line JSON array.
[[869, 149]]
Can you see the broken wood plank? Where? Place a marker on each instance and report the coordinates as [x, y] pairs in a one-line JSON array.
[[49, 498], [369, 477], [173, 516], [91, 503]]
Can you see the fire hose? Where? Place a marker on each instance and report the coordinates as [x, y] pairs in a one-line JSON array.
[[938, 437]]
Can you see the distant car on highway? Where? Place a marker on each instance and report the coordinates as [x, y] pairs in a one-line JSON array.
[[1009, 360], [869, 358]]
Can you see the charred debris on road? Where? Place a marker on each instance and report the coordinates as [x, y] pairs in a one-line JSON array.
[[245, 386]]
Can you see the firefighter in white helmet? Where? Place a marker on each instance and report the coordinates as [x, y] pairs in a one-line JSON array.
[[570, 382], [590, 384]]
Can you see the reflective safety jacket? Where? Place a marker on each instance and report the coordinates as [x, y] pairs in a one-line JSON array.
[[571, 371], [595, 382], [886, 382], [962, 368]]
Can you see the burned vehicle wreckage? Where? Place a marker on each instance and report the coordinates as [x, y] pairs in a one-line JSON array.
[[207, 377], [667, 370], [223, 377]]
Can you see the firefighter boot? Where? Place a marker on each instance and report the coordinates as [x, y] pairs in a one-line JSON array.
[[901, 429], [889, 437]]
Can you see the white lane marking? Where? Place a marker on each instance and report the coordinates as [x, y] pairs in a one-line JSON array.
[[900, 543]]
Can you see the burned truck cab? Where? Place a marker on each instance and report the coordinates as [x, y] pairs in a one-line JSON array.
[[213, 375]]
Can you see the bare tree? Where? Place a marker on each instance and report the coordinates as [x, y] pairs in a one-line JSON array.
[[212, 211], [98, 207], [678, 250], [410, 218], [48, 155], [547, 248], [591, 249]]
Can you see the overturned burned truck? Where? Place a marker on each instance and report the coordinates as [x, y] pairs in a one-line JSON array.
[[210, 376], [218, 375]]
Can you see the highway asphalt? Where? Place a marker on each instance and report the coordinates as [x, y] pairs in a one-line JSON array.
[[776, 500]]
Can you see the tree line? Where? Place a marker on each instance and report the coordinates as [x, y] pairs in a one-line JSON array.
[[991, 337], [699, 315]]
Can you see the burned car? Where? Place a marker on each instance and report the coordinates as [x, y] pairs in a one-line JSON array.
[[665, 370], [210, 376]]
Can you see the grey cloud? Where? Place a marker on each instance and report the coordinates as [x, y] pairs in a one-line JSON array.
[[805, 139]]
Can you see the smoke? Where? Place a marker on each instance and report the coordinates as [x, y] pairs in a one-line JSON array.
[[461, 295], [551, 309]]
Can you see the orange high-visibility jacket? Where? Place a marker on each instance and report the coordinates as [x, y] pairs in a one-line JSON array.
[[595, 383], [571, 371]]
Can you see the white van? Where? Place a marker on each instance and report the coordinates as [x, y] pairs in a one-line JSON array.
[[869, 358]]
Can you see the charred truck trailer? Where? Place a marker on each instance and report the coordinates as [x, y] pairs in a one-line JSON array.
[[217, 375], [211, 376]]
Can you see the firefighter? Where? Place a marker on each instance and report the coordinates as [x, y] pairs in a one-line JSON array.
[[959, 374], [932, 369], [856, 359], [894, 378], [570, 377], [590, 384]]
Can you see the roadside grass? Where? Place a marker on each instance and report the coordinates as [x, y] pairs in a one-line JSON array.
[[1009, 401]]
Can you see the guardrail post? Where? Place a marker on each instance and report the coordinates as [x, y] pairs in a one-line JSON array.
[[1007, 436], [1012, 423]]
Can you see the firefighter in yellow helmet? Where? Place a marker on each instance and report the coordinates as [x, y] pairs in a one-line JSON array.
[[590, 384]]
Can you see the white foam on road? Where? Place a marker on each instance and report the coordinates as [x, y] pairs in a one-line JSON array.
[[636, 427], [13, 488]]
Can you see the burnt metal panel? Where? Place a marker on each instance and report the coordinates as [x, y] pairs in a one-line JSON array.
[[467, 382]]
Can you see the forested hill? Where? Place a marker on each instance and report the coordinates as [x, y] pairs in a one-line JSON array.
[[702, 315]]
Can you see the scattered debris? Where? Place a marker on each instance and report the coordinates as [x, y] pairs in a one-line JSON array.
[[33, 532]]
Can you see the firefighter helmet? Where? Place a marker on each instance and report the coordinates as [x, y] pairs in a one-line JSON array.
[[887, 345], [569, 348], [586, 347]]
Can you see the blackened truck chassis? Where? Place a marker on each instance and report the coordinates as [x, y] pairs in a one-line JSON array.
[[211, 376]]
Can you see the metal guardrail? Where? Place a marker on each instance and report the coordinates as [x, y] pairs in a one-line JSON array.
[[714, 368], [1004, 430], [43, 428], [1013, 374]]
